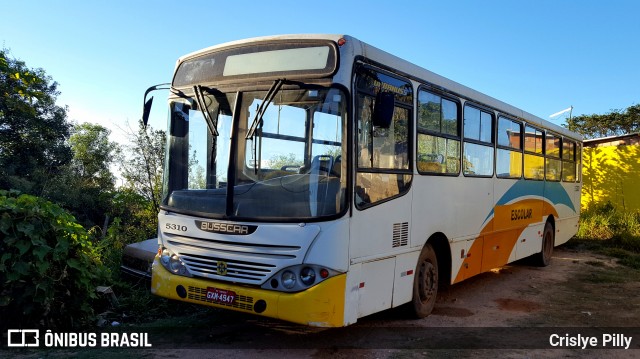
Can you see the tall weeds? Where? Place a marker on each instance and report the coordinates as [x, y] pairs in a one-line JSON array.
[[606, 222], [613, 232]]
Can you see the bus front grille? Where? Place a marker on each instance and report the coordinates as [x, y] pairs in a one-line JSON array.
[[200, 294], [244, 262], [226, 269]]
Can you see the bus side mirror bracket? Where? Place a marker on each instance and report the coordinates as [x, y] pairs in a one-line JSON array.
[[383, 109]]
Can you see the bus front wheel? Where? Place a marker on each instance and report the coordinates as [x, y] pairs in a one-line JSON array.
[[425, 282]]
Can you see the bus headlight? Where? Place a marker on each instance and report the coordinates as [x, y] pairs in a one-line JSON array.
[[173, 263], [165, 257], [288, 279], [307, 276], [298, 277]]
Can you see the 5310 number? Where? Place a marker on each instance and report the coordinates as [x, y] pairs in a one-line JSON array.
[[175, 227]]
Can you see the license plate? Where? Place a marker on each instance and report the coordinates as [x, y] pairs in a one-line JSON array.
[[221, 296]]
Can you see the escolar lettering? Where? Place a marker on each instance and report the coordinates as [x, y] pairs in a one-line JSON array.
[[521, 213]]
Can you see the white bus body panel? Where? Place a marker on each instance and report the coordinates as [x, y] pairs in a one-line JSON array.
[[331, 246], [375, 289], [373, 251]]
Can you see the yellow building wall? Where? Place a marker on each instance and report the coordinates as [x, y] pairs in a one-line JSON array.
[[611, 173]]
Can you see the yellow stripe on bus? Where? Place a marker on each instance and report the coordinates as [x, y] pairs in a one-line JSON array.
[[499, 236]]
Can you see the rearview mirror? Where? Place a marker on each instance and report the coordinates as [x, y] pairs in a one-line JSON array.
[[146, 110], [383, 109]]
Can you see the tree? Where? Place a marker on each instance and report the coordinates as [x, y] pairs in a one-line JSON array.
[[278, 161], [136, 204], [86, 185], [93, 153], [197, 178], [614, 123], [33, 129], [142, 171]]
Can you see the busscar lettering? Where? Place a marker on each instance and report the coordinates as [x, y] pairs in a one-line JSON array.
[[224, 227], [521, 213]]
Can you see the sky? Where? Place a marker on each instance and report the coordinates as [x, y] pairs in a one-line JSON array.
[[539, 55]]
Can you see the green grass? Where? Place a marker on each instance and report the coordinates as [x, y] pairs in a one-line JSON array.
[[610, 231], [605, 276]]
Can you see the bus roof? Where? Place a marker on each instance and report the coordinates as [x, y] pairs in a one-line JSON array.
[[334, 38], [408, 69]]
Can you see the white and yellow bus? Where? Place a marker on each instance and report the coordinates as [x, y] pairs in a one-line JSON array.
[[317, 179]]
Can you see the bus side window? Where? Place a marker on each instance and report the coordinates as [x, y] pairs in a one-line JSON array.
[[534, 156], [478, 142], [438, 134], [384, 166], [509, 152]]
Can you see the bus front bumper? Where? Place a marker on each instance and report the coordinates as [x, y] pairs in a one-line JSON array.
[[321, 305]]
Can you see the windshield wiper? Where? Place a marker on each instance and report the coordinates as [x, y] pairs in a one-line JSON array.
[[202, 105], [263, 107]]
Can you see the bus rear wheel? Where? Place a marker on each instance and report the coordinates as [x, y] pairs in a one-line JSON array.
[[425, 282], [543, 258]]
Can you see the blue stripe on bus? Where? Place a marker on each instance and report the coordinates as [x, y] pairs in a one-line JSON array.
[[552, 191]]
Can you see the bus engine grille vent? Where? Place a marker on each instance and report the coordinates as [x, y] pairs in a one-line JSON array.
[[400, 234]]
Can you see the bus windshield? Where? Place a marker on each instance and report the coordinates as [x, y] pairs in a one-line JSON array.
[[291, 167]]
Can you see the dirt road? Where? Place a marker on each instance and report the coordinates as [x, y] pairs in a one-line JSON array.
[[509, 312], [514, 309]]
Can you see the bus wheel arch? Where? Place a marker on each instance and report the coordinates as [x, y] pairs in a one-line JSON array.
[[432, 270]]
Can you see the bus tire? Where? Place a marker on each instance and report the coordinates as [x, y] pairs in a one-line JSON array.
[[543, 258], [425, 282]]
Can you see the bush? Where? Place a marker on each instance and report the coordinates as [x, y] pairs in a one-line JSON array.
[[609, 231], [49, 267], [134, 220], [605, 222]]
